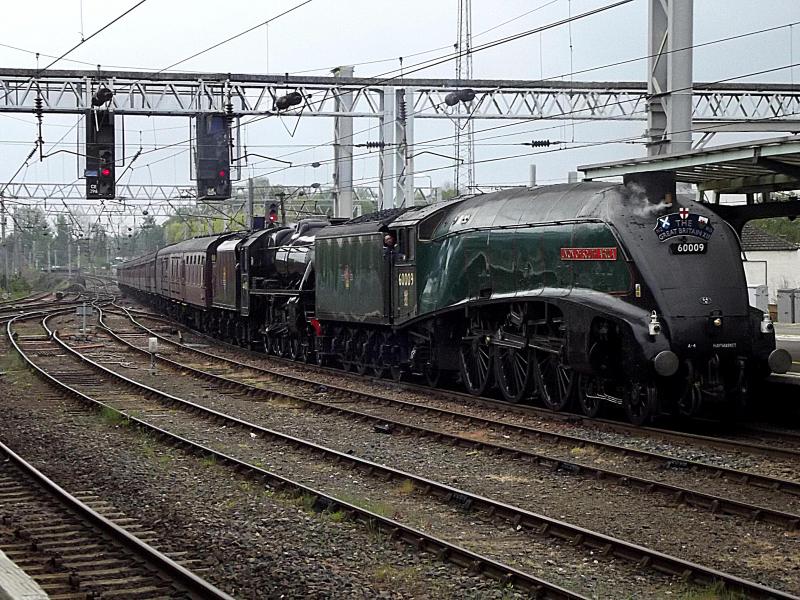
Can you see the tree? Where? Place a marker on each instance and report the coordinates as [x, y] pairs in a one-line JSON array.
[[150, 235], [59, 245], [97, 245], [448, 191], [31, 237], [781, 227]]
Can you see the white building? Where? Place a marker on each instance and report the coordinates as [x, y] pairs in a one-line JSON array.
[[771, 261]]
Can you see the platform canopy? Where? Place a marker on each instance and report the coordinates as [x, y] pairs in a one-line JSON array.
[[764, 166]]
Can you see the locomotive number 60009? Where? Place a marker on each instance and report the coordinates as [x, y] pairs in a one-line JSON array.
[[405, 279], [689, 248]]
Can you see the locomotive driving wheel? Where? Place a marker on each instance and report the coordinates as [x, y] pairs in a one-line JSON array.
[[347, 342], [280, 345], [377, 345], [298, 350], [267, 340], [476, 364], [590, 390], [554, 380], [640, 402], [361, 353], [242, 339], [430, 367], [513, 368]]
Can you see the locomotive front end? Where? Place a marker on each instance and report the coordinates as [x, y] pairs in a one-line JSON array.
[[692, 284]]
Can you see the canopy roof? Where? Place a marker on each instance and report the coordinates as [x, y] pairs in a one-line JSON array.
[[764, 166]]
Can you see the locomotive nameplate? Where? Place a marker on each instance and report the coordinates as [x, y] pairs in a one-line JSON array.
[[689, 248], [588, 254], [683, 222]]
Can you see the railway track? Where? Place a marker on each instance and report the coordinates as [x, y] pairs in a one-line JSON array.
[[105, 391], [43, 306], [238, 377], [73, 548], [768, 443], [35, 297], [518, 517], [245, 372], [777, 435]]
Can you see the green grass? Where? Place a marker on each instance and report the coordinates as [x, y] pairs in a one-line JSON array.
[[12, 361], [148, 448], [382, 509], [113, 417], [412, 581], [247, 486], [715, 591], [337, 516], [407, 487], [15, 371], [307, 502]]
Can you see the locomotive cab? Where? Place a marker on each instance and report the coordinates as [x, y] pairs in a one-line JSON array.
[[403, 275]]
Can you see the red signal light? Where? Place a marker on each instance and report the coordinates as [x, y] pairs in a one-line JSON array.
[[273, 217], [105, 172], [222, 173]]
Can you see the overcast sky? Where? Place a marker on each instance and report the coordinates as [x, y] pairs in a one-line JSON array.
[[326, 33]]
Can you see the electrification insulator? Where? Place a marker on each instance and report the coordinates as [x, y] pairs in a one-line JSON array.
[[229, 113], [452, 99], [289, 100], [466, 95], [375, 145], [401, 109], [101, 96], [539, 143]]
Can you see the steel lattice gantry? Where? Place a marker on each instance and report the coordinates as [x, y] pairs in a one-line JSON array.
[[395, 103], [77, 191], [161, 193], [185, 94]]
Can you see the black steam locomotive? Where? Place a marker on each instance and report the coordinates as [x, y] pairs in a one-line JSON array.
[[586, 293]]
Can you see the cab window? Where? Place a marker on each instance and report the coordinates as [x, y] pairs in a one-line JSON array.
[[406, 242]]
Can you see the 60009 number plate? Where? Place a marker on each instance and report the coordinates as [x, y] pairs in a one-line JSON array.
[[689, 248]]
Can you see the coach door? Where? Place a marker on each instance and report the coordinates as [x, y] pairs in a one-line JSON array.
[[404, 273]]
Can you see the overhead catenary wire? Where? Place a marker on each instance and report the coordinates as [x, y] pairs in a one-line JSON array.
[[563, 149], [431, 50], [39, 71], [598, 67], [720, 40], [449, 137], [322, 69], [624, 140], [387, 77], [586, 70], [238, 35], [419, 66]]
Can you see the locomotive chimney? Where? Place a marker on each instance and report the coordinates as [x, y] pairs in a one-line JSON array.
[[659, 186]]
